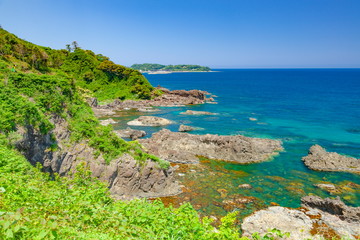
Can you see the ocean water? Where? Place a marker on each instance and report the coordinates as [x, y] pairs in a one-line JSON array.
[[300, 107]]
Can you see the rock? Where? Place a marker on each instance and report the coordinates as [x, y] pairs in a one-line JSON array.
[[236, 202], [107, 122], [130, 133], [245, 186], [320, 160], [126, 177], [191, 112], [335, 215], [184, 147], [333, 206], [149, 121], [167, 99], [286, 220], [185, 128], [328, 187]]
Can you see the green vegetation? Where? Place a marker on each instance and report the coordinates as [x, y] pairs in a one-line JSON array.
[[105, 79], [39, 86], [151, 67], [35, 206]]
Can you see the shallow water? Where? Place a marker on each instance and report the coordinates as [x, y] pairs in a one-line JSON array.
[[301, 107]]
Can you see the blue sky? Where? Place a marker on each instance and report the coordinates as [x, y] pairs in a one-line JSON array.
[[215, 33]]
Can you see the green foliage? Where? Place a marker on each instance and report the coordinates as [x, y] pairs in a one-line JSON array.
[[35, 206], [173, 68], [97, 73]]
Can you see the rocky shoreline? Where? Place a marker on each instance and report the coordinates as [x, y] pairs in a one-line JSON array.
[[167, 99], [317, 218], [186, 148]]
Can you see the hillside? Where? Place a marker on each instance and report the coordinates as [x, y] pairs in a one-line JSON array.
[[152, 67], [46, 124]]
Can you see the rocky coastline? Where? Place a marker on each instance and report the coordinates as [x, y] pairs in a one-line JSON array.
[[167, 99], [317, 218]]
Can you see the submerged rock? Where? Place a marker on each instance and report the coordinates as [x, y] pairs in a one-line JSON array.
[[191, 112], [133, 134], [245, 186], [321, 160], [185, 148], [185, 128], [149, 121]]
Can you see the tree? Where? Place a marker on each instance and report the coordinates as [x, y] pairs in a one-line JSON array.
[[68, 47], [75, 45]]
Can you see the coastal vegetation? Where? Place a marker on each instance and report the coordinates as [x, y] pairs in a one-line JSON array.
[[153, 67], [38, 85]]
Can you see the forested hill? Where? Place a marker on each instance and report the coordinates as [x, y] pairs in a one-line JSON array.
[[152, 67], [95, 72]]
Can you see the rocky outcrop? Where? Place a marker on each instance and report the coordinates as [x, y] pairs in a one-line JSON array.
[[185, 128], [149, 121], [133, 134], [334, 215], [317, 219], [334, 207], [126, 178], [321, 160], [185, 147], [191, 112], [167, 99], [295, 222]]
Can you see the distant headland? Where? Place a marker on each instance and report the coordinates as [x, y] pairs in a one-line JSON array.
[[153, 68]]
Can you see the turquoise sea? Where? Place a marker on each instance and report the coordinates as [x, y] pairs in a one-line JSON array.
[[300, 107]]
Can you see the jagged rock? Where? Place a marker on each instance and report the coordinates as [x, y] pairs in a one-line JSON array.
[[133, 134], [149, 121], [168, 99], [125, 176], [286, 220], [191, 112], [185, 128], [184, 147], [333, 206], [107, 122], [321, 160], [342, 219]]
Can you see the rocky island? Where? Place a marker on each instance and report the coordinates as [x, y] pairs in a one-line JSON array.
[[153, 68]]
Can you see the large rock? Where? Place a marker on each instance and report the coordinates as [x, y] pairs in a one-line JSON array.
[[333, 214], [317, 219], [125, 176], [185, 147], [286, 220], [149, 121], [133, 134], [321, 160], [333, 206], [167, 99]]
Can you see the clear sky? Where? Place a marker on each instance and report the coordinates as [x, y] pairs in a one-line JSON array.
[[215, 33]]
